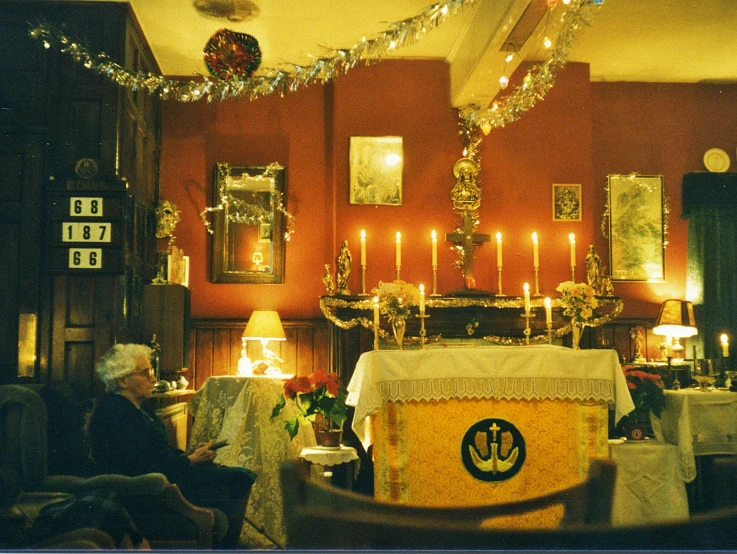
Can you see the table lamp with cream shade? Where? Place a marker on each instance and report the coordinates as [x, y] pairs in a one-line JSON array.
[[676, 320], [263, 325]]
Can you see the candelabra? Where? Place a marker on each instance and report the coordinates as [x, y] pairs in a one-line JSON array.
[[435, 280], [537, 281], [500, 293], [363, 281], [527, 331]]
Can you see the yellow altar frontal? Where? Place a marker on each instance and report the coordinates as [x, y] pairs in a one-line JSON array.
[[484, 425]]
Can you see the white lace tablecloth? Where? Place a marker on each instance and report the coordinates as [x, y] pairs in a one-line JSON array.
[[332, 456], [239, 409], [699, 423], [507, 372], [649, 486]]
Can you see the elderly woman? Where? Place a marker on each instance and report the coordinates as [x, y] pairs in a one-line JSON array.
[[127, 438]]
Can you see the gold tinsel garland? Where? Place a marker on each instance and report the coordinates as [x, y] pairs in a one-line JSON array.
[[269, 81], [330, 304], [535, 84], [240, 211]]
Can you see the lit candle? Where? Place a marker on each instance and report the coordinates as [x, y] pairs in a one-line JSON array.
[[363, 247], [535, 253], [422, 299], [572, 238], [376, 310], [434, 248], [399, 249], [725, 345], [548, 311], [527, 298], [499, 249]]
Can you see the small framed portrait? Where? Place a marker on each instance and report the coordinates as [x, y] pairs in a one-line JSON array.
[[566, 202], [376, 165], [264, 232]]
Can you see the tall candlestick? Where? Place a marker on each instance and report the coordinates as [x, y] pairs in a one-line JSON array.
[[498, 250], [434, 248], [548, 311], [725, 345], [422, 299], [399, 249], [527, 298], [535, 253], [572, 238], [363, 247]]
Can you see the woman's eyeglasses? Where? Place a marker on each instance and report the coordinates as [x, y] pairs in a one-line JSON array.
[[147, 371]]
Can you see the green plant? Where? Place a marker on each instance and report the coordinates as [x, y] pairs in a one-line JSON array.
[[320, 399], [646, 390]]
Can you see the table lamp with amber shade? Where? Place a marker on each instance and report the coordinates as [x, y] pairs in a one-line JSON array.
[[676, 320], [263, 325]]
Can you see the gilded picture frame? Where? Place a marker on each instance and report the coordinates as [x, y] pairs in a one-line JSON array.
[[376, 166], [567, 202], [636, 213]]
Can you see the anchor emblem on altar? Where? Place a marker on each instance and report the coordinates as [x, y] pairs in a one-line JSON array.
[[493, 450]]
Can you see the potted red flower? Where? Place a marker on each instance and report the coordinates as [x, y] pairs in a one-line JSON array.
[[320, 399]]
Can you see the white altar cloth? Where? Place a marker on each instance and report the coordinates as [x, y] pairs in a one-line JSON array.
[[506, 372]]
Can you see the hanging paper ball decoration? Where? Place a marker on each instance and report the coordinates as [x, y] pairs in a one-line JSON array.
[[229, 54]]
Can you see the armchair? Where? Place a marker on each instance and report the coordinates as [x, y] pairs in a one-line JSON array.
[[158, 508]]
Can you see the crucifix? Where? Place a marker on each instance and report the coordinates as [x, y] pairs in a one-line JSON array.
[[466, 197]]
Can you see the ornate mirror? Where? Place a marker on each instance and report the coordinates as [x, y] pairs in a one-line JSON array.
[[248, 224]]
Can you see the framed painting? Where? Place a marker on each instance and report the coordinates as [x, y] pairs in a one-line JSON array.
[[566, 202], [636, 227], [376, 165]]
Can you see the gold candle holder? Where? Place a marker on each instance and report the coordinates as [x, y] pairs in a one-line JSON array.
[[423, 332], [376, 336], [500, 293], [537, 281], [398, 268], [527, 331], [363, 281], [573, 273], [435, 281], [550, 333]]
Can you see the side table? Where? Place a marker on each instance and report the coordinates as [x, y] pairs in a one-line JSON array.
[[333, 464]]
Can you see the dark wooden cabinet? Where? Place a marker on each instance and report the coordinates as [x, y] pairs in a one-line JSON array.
[[54, 113], [166, 313]]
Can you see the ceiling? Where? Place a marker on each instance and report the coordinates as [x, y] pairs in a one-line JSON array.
[[629, 40]]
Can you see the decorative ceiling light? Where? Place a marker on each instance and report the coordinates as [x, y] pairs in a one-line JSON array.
[[232, 10]]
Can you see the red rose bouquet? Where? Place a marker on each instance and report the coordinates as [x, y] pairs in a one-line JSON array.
[[320, 398]]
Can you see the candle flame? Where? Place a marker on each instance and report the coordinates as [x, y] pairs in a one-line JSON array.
[[363, 233], [534, 237], [526, 286], [399, 236], [572, 237], [498, 237], [724, 338], [434, 235]]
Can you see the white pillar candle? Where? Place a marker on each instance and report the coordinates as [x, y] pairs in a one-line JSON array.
[[422, 299], [499, 249], [572, 238], [434, 248], [725, 345], [376, 310], [535, 252], [363, 247], [399, 249], [527, 298], [548, 311]]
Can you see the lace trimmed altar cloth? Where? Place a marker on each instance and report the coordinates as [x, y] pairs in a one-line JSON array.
[[416, 406]]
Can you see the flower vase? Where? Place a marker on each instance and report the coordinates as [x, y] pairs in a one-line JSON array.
[[398, 326], [328, 438], [576, 334]]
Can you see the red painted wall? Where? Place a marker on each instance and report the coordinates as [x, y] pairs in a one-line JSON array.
[[580, 133]]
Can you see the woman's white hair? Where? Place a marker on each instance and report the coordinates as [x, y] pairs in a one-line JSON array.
[[118, 362]]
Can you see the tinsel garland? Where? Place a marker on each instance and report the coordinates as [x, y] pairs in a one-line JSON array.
[[336, 62], [240, 211], [535, 84]]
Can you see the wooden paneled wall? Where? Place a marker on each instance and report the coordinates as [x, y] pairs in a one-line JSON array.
[[216, 347]]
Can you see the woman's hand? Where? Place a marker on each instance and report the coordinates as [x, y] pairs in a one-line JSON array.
[[203, 453]]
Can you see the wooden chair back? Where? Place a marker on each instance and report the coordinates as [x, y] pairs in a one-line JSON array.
[[318, 515]]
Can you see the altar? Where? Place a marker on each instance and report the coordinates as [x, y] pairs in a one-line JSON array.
[[478, 425]]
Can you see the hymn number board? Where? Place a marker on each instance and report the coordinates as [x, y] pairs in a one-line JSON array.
[[86, 231]]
